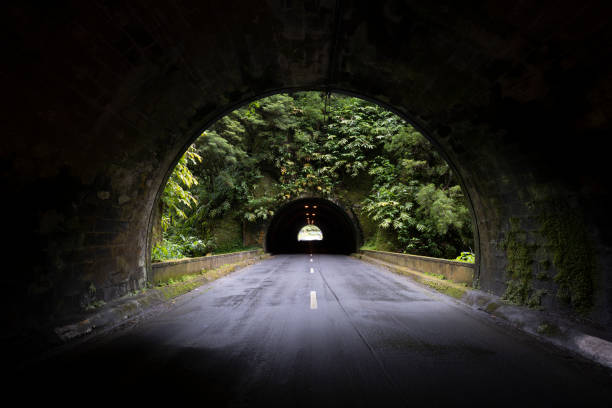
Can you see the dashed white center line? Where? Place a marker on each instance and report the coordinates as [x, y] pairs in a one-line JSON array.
[[311, 270], [310, 259], [313, 299]]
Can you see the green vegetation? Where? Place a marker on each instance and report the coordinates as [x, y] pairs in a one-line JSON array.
[[250, 162], [435, 275], [447, 289], [566, 242], [519, 270], [90, 302], [549, 329], [181, 279], [466, 257], [492, 307], [95, 305], [572, 252]]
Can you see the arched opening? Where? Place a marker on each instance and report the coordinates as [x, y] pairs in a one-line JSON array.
[[392, 179], [341, 233], [504, 95], [310, 232]]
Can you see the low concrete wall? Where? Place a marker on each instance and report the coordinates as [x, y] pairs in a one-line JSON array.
[[162, 271], [460, 272]]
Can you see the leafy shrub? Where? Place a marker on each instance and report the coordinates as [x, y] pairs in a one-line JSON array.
[[180, 246], [466, 257]]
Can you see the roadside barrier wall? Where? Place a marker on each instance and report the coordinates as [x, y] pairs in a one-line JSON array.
[[460, 272], [162, 271]]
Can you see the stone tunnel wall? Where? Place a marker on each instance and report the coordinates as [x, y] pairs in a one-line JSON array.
[[102, 98]]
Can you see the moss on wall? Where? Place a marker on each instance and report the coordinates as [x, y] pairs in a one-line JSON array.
[[572, 253], [519, 269], [564, 251]]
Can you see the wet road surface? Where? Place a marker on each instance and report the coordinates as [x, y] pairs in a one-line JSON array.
[[331, 332]]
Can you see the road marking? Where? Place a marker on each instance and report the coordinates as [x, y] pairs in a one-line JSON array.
[[310, 259], [311, 270], [313, 300]]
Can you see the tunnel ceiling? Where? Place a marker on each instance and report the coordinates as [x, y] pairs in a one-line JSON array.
[[101, 98], [341, 233]]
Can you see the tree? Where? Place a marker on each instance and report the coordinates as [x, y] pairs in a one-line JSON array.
[[176, 196]]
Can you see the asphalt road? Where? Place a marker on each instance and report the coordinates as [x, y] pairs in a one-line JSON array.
[[342, 334]]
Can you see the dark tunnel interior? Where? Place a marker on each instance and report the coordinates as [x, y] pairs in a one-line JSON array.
[[340, 231]]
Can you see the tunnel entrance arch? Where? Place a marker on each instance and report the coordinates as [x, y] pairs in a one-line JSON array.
[[432, 137], [341, 231], [505, 94]]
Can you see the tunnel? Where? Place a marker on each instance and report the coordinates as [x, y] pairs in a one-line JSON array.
[[101, 100], [341, 233]]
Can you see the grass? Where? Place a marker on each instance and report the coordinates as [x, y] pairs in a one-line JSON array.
[[435, 275], [444, 288], [181, 279], [548, 329], [492, 307]]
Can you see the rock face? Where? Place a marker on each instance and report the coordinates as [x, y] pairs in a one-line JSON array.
[[101, 99]]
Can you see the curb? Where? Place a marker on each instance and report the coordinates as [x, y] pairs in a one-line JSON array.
[[545, 326]]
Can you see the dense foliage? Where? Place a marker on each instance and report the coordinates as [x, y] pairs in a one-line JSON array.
[[285, 146]]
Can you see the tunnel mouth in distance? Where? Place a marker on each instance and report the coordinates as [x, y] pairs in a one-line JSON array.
[[310, 232], [339, 231]]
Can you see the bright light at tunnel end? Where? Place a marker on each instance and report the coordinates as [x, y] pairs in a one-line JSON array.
[[310, 233]]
